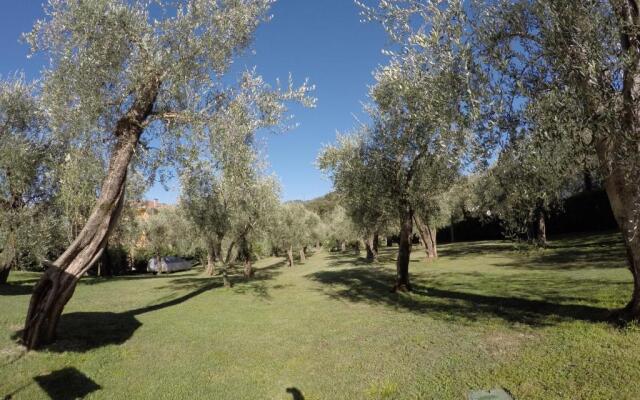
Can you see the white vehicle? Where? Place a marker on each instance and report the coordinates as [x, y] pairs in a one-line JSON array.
[[168, 264]]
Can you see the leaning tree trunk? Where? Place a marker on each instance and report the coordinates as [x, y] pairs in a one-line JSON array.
[[290, 256], [58, 282], [404, 251], [230, 258], [303, 257], [428, 236]]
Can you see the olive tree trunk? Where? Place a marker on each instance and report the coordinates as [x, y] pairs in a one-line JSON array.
[[542, 229], [4, 273], [211, 260], [376, 242], [428, 237], [7, 258], [58, 282], [290, 256], [303, 257], [624, 198], [246, 255], [372, 247], [404, 250], [619, 151]]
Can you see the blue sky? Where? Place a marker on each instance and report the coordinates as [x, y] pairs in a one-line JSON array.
[[322, 40]]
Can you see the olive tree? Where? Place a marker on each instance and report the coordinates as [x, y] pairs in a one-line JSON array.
[[124, 78], [27, 227], [358, 183], [421, 136], [293, 228], [579, 62]]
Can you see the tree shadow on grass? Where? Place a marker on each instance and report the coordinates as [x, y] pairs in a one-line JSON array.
[[371, 286], [84, 331], [67, 384], [16, 289], [295, 393], [466, 249], [336, 260]]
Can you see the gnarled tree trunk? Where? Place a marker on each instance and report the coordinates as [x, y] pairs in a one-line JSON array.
[[58, 282], [404, 250], [230, 258], [372, 247], [303, 257], [428, 237], [290, 256]]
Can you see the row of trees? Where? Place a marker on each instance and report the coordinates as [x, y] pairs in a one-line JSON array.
[[500, 108]]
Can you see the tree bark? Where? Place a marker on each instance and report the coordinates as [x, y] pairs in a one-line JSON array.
[[245, 248], [225, 278], [343, 246], [211, 261], [376, 244], [58, 282], [248, 269], [4, 274], [428, 236], [7, 258], [290, 256], [372, 248], [619, 152], [230, 258], [303, 258], [452, 231], [404, 251], [542, 229], [368, 244]]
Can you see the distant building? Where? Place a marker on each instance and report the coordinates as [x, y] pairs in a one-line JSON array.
[[147, 208]]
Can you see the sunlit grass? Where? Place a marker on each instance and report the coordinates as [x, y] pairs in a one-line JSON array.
[[485, 315]]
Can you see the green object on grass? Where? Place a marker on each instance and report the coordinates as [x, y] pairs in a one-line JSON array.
[[493, 394]]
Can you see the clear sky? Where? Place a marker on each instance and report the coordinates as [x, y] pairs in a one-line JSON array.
[[322, 40]]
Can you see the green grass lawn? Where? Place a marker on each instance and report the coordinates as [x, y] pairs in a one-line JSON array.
[[485, 315]]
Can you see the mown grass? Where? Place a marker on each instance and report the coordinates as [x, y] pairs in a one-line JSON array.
[[484, 315]]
